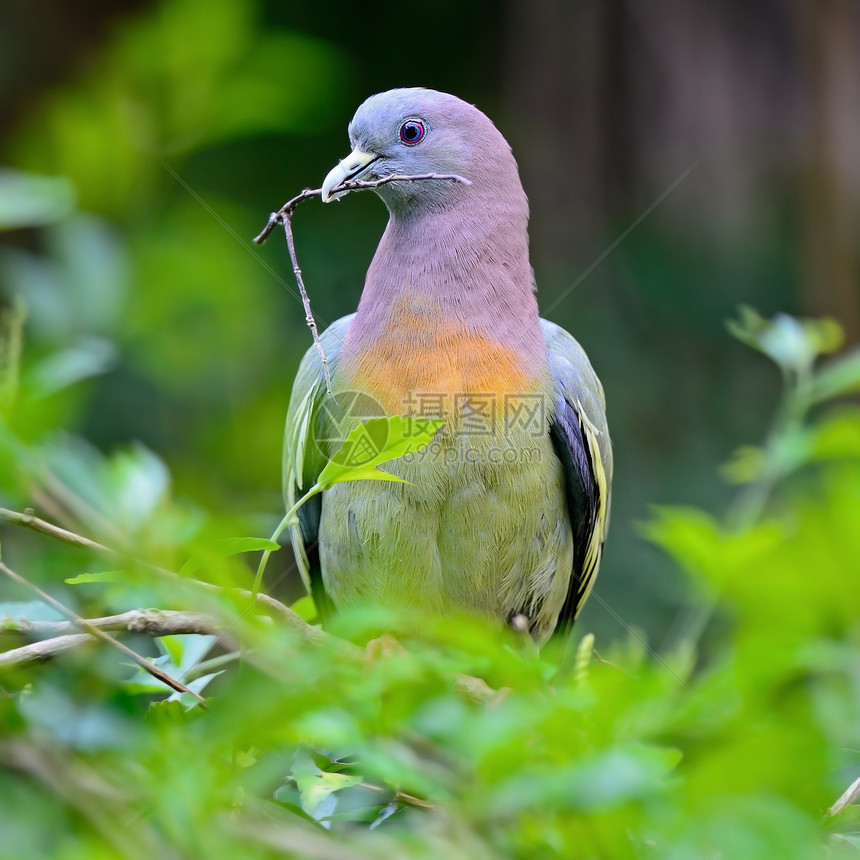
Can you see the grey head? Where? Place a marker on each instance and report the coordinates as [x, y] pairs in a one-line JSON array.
[[413, 131]]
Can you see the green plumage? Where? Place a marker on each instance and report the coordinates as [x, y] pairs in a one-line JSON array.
[[467, 534]]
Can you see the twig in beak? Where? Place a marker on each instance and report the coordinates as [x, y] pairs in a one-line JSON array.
[[284, 217]]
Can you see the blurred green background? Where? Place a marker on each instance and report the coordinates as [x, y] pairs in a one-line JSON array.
[[165, 132], [680, 159]]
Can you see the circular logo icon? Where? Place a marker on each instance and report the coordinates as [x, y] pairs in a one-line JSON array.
[[334, 423]]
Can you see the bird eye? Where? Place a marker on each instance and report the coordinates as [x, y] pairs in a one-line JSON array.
[[412, 132]]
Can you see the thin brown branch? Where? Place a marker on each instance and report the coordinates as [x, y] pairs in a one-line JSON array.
[[401, 796], [284, 217], [307, 632], [286, 211], [41, 652], [470, 688], [306, 302], [148, 622], [85, 626], [29, 520]]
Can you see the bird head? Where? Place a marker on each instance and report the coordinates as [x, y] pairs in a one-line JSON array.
[[414, 131]]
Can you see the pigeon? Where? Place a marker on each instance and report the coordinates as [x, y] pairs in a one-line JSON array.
[[505, 513]]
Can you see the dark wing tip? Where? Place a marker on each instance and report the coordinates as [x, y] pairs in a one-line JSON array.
[[583, 496]]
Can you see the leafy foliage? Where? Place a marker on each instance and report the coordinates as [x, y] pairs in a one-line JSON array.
[[728, 738], [732, 742]]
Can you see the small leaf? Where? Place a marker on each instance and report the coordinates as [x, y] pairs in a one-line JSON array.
[[840, 376], [173, 647], [836, 436], [226, 547], [366, 474], [745, 466], [377, 441], [185, 649], [305, 608], [168, 712], [89, 357], [237, 545], [248, 757], [583, 659], [792, 343], [384, 814], [100, 576]]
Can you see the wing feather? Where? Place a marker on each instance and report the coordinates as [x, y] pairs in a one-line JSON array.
[[303, 460], [581, 440]]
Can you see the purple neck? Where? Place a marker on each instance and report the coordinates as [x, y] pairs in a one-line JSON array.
[[462, 260]]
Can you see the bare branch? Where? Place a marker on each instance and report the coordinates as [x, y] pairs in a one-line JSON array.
[[84, 625], [149, 622], [307, 632], [40, 652], [306, 302], [29, 520], [284, 217], [400, 796], [289, 207], [470, 688]]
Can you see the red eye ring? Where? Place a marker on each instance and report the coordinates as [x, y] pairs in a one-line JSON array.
[[412, 132]]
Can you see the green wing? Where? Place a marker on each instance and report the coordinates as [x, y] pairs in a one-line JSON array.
[[580, 437], [303, 459]]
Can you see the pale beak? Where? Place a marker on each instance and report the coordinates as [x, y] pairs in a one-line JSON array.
[[351, 166]]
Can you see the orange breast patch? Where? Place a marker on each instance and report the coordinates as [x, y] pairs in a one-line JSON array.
[[421, 358]]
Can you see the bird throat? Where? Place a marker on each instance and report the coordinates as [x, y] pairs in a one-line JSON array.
[[447, 318]]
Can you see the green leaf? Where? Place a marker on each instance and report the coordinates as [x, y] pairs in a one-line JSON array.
[[836, 436], [185, 650], [169, 712], [706, 549], [173, 647], [237, 545], [305, 608], [225, 548], [841, 376], [745, 466], [364, 474], [100, 576], [377, 441], [89, 357], [317, 786], [248, 757], [792, 343]]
